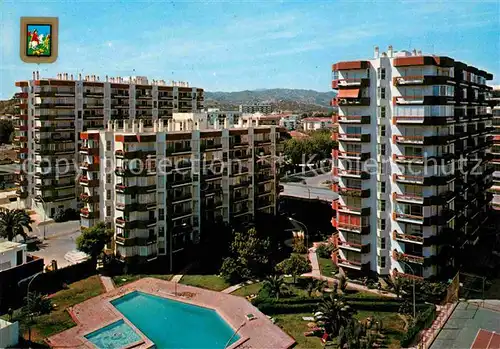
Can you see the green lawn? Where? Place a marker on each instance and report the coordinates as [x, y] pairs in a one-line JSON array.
[[248, 290], [295, 327], [326, 267], [211, 282], [59, 319], [121, 280], [393, 326]]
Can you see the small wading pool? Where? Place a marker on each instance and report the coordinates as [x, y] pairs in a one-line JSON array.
[[114, 336], [171, 324]]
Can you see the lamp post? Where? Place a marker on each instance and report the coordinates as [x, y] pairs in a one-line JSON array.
[[33, 277], [39, 197], [303, 225], [414, 306]]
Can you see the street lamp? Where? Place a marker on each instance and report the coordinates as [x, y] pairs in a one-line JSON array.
[[33, 277], [413, 272], [39, 198], [303, 225]]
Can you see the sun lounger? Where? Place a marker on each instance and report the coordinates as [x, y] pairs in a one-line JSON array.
[[308, 318]]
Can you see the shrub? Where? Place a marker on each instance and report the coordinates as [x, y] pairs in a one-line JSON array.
[[324, 250], [66, 215], [299, 246], [59, 216], [424, 320]]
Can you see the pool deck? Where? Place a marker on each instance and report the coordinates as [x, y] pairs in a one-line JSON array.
[[98, 312]]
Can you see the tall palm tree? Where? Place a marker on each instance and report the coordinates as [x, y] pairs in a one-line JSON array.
[[335, 314], [275, 285], [315, 285], [13, 222]]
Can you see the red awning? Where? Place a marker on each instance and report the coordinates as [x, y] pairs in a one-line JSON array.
[[350, 93]]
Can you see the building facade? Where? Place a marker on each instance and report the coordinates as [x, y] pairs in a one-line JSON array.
[[53, 112], [163, 184], [409, 204], [316, 123], [495, 149], [256, 108]]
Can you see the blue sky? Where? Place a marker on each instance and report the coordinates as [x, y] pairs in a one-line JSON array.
[[229, 46]]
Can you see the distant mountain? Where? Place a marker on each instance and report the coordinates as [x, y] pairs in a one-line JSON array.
[[280, 98]]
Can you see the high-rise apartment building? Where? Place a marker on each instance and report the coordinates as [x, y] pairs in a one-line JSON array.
[[408, 202], [495, 149], [53, 112], [158, 187]]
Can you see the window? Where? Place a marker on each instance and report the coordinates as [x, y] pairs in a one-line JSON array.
[[381, 223], [381, 243], [161, 231], [108, 210], [108, 178], [108, 145], [382, 93], [381, 130], [381, 187], [381, 205], [381, 261], [381, 149], [161, 214], [382, 76], [79, 114], [108, 194], [378, 72], [382, 112]]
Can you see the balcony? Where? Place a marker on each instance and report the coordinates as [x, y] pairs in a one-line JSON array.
[[351, 246], [22, 194], [409, 218], [241, 184], [352, 137], [338, 154], [415, 239], [424, 140], [351, 264], [355, 228], [352, 119], [350, 102], [88, 151], [87, 198], [400, 256], [351, 173], [422, 120], [339, 83], [86, 182], [55, 198], [423, 100], [85, 213], [181, 197], [409, 159], [90, 167], [140, 223], [354, 192], [177, 150], [412, 80]]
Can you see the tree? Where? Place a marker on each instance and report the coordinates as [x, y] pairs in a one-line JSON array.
[[324, 250], [342, 282], [335, 314], [397, 285], [295, 265], [274, 285], [36, 305], [13, 223], [249, 256], [92, 240], [299, 246], [315, 285]]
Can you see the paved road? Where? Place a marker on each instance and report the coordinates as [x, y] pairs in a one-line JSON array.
[[54, 230], [56, 248], [316, 187]]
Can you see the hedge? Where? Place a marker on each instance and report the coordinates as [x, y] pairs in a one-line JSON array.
[[424, 320]]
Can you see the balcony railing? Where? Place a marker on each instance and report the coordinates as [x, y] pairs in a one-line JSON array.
[[352, 137], [409, 179], [415, 159], [353, 173], [350, 155], [400, 256], [358, 247], [358, 265], [354, 192], [352, 119], [409, 139], [357, 228], [85, 181], [396, 273], [408, 217], [89, 151], [409, 197], [364, 82], [345, 102], [407, 237]]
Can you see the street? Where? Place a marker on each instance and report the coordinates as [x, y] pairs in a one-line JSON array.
[[60, 239], [316, 187]]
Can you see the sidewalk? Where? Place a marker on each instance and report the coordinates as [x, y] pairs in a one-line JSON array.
[[316, 273]]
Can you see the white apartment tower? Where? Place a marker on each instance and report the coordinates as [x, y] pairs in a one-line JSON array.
[[53, 112], [406, 121], [159, 187]]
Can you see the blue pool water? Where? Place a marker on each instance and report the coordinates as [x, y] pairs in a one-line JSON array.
[[172, 324], [114, 336]]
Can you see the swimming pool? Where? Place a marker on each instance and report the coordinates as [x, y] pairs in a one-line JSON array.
[[173, 324], [114, 336]]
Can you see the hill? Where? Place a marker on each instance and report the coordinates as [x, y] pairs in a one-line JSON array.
[[280, 98]]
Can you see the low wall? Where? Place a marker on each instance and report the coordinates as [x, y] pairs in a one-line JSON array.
[[9, 334]]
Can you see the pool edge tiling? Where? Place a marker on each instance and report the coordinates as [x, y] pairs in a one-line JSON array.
[[98, 312]]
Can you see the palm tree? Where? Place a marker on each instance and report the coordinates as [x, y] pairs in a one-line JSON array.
[[335, 314], [353, 336], [36, 305], [13, 223], [315, 285], [274, 285], [397, 284]]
